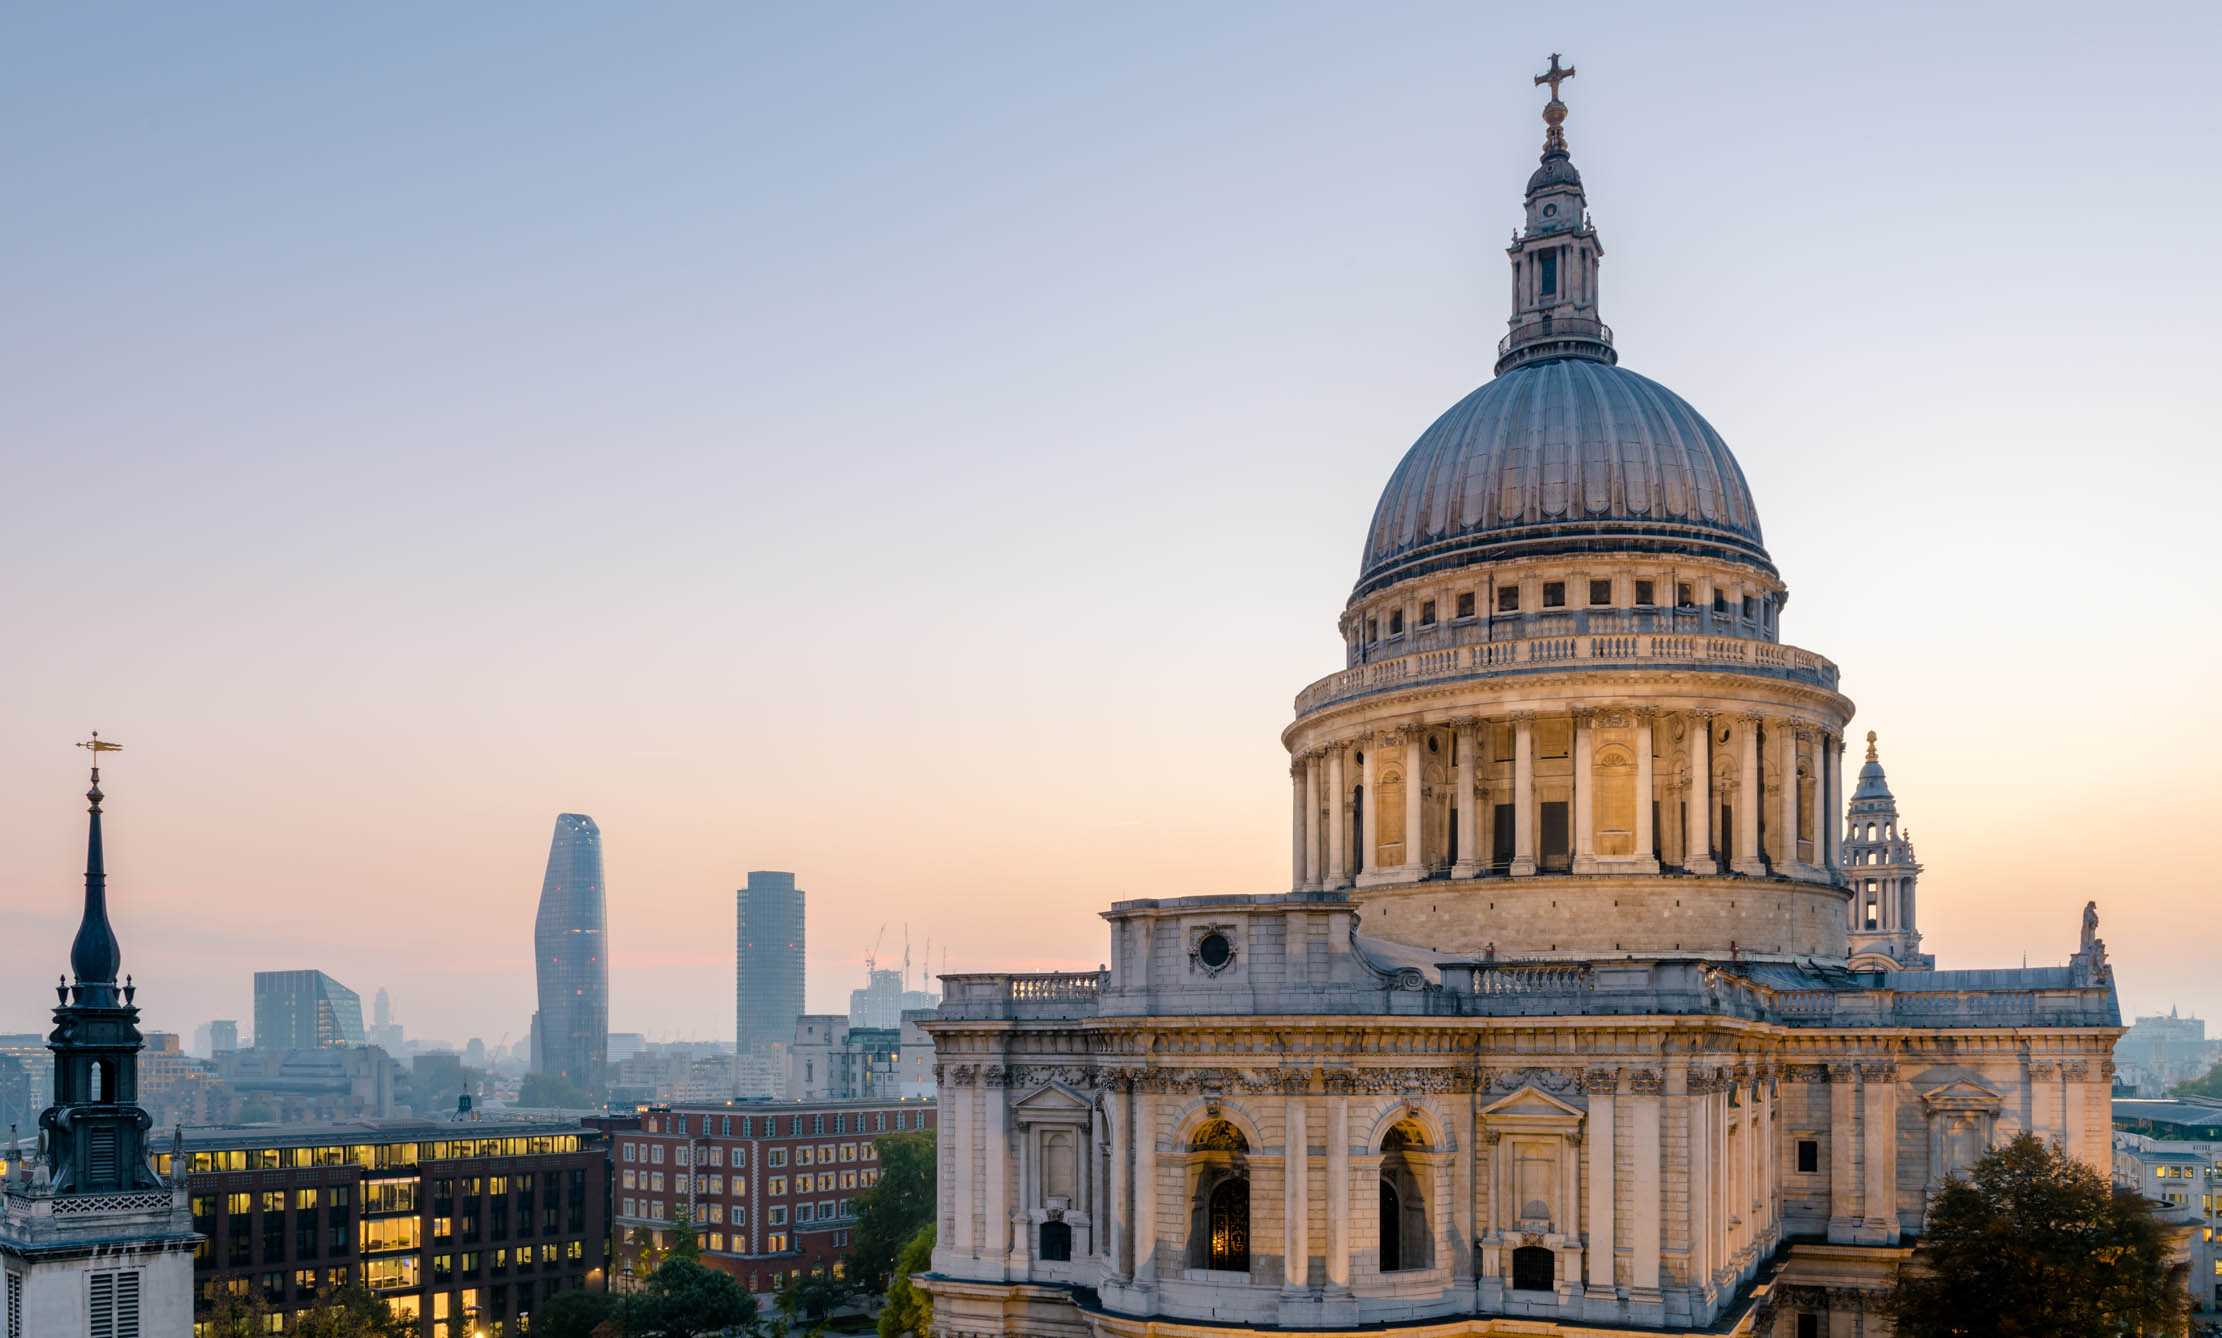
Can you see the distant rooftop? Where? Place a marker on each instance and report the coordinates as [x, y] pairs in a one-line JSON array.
[[208, 1138], [2169, 1117]]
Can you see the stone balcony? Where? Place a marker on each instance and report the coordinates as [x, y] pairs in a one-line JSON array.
[[1583, 650]]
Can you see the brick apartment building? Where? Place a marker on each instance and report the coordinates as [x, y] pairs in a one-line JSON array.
[[466, 1225], [770, 1186]]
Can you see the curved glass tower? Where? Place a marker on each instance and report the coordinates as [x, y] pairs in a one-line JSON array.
[[571, 958]]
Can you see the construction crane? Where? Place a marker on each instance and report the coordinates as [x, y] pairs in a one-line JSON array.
[[871, 959]]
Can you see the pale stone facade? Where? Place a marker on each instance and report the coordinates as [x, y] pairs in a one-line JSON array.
[[1570, 1020]]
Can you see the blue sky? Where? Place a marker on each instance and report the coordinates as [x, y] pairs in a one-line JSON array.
[[927, 448]]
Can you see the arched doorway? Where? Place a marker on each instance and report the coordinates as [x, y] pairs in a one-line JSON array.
[[1406, 1240], [1229, 1245], [1219, 1225]]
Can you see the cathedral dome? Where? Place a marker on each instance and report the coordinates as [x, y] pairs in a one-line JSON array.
[[1568, 455]]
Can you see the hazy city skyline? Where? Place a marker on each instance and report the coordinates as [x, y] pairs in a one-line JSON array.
[[879, 408]]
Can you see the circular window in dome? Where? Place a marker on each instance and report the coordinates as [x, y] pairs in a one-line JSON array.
[[1214, 950], [1550, 211]]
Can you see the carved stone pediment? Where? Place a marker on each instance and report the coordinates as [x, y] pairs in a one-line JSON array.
[[1531, 1109], [1962, 1094], [1053, 1102]]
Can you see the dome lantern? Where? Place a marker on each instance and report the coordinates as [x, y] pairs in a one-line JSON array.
[[1554, 257]]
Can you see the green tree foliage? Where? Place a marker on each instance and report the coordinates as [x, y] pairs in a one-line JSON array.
[[352, 1312], [234, 1316], [890, 1213], [2210, 1086], [909, 1309], [814, 1297], [684, 1243], [2037, 1245], [575, 1314], [686, 1299], [542, 1090]]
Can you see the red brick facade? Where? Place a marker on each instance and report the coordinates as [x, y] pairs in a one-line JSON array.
[[774, 1184]]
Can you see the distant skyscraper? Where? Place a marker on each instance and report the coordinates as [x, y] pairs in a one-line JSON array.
[[768, 962], [381, 1010], [572, 958], [305, 1010], [223, 1034]]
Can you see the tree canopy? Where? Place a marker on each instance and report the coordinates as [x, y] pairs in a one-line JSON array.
[[2211, 1085], [543, 1090], [908, 1309], [2034, 1244], [890, 1213]]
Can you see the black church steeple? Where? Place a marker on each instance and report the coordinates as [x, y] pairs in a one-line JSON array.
[[96, 1133]]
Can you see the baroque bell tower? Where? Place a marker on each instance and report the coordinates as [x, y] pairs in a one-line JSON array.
[[96, 1132], [93, 1241]]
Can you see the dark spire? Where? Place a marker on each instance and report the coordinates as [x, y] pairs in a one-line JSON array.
[[95, 956]]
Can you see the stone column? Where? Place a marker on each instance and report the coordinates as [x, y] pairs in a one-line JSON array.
[[1470, 862], [1879, 1088], [1118, 1217], [1647, 837], [1827, 817], [1697, 853], [2075, 1114], [995, 1145], [1415, 809], [1100, 1200], [1144, 1246], [1022, 1244], [1296, 1167], [1601, 1084], [1749, 796], [1585, 791], [1844, 1201], [1648, 1192], [1792, 736], [1523, 793], [1299, 824], [1338, 1194], [1309, 872], [1338, 821], [1701, 1178], [1369, 805], [959, 1125]]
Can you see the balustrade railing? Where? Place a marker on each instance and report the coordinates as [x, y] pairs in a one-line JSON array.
[[1580, 648]]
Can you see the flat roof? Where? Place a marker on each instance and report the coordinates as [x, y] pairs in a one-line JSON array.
[[209, 1137], [2179, 1111]]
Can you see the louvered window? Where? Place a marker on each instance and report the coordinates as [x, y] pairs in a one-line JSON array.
[[15, 1305], [100, 1157], [114, 1305]]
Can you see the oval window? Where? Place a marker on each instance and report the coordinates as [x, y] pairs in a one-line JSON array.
[[1214, 951]]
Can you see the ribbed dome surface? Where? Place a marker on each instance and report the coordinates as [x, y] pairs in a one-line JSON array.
[[1565, 456]]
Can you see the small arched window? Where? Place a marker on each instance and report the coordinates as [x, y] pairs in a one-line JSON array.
[[1534, 1270]]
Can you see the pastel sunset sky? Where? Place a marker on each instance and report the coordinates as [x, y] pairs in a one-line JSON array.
[[926, 448]]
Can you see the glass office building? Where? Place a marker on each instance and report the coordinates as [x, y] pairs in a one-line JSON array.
[[305, 1010], [768, 961], [572, 959]]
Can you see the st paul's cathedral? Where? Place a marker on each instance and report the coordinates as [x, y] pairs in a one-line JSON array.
[[1594, 1003]]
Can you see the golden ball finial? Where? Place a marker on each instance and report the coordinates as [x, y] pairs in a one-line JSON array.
[[1870, 745]]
